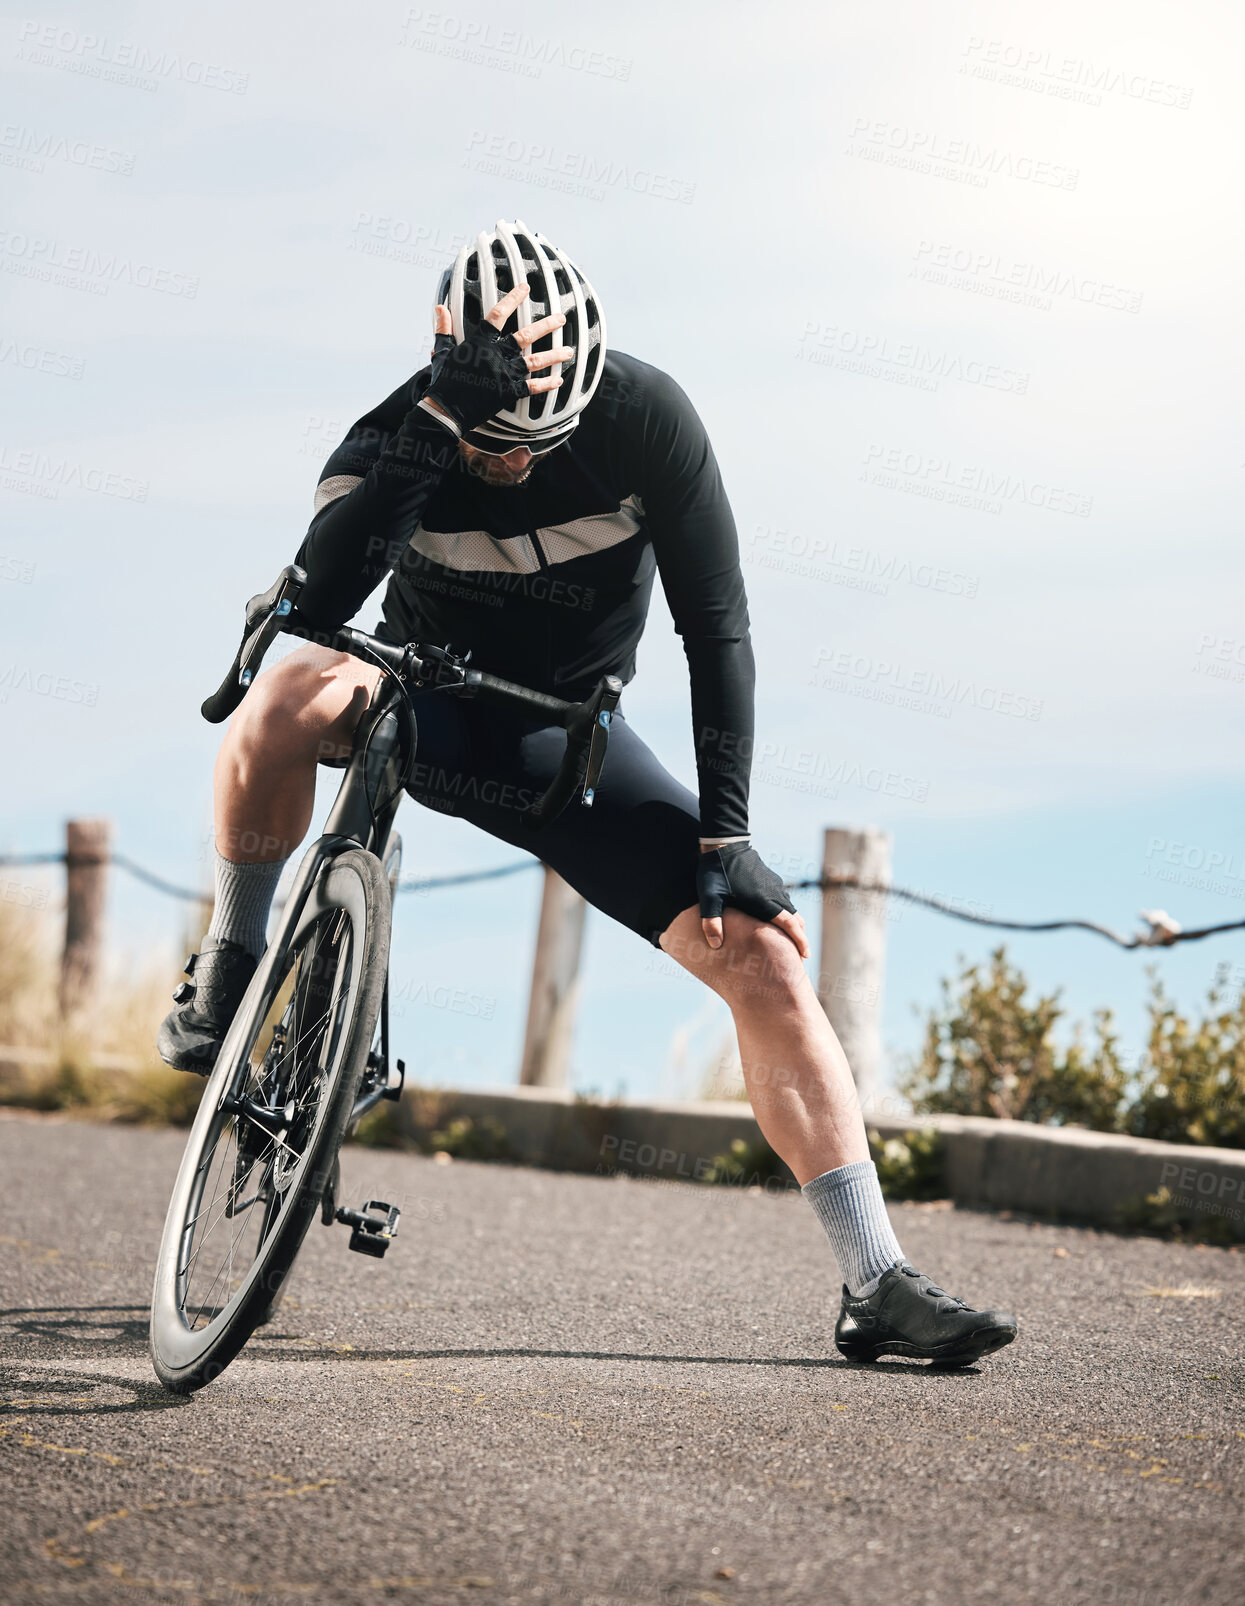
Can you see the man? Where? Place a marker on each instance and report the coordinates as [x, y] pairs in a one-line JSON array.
[[524, 490]]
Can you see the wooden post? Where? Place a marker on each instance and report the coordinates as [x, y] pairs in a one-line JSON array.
[[853, 949], [555, 985], [87, 846]]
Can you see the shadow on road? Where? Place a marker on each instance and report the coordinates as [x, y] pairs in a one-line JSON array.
[[124, 1322], [121, 1328], [309, 1350]]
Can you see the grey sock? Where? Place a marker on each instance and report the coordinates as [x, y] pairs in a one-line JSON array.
[[849, 1205], [243, 899]]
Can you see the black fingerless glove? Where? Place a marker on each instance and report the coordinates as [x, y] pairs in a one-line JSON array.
[[475, 378], [735, 874]]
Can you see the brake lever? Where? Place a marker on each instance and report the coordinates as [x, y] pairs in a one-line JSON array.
[[259, 641], [586, 736], [606, 702], [266, 616]]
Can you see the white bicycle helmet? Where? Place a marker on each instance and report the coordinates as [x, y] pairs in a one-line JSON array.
[[483, 273]]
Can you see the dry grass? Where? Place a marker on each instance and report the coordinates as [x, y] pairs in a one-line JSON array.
[[107, 1066], [1185, 1291]]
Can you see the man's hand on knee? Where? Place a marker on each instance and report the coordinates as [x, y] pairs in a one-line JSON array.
[[734, 875], [791, 926]]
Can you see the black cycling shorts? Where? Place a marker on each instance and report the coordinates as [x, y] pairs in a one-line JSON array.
[[632, 854]]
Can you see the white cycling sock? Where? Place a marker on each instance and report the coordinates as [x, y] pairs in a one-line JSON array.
[[849, 1205], [243, 899]]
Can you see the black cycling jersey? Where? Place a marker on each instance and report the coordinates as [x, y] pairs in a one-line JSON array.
[[548, 582]]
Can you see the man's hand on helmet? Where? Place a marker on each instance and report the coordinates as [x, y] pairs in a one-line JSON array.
[[486, 372]]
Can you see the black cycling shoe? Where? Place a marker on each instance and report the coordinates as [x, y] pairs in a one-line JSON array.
[[191, 1035], [909, 1315]]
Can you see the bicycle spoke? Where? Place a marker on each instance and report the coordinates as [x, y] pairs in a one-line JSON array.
[[260, 1161], [293, 1072]]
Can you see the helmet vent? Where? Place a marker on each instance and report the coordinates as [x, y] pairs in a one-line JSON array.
[[514, 254]]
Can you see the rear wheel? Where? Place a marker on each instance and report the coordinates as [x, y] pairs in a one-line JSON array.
[[263, 1149]]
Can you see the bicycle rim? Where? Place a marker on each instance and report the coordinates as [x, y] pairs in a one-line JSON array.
[[271, 1121]]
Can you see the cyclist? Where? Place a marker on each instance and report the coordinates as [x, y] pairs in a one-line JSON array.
[[522, 492]]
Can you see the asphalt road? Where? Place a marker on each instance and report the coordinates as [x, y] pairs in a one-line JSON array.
[[580, 1389]]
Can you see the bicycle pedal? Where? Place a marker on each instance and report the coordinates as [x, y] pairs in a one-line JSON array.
[[371, 1233]]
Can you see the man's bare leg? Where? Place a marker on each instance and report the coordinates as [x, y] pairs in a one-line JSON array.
[[795, 1071], [805, 1103], [299, 713]]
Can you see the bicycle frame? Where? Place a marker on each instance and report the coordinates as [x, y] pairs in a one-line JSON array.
[[373, 775], [367, 801], [331, 944]]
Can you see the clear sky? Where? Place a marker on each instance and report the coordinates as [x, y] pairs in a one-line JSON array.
[[956, 289]]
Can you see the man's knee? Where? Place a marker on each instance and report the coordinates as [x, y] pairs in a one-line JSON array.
[[306, 706], [756, 964], [761, 953]]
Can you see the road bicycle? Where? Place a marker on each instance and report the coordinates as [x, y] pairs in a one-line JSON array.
[[307, 1054]]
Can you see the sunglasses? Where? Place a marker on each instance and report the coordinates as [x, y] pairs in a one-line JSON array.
[[492, 447]]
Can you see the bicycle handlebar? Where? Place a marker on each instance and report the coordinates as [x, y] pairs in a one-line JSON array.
[[586, 723], [265, 620]]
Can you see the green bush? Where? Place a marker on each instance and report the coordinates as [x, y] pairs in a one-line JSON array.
[[909, 1167], [747, 1165], [468, 1139], [379, 1128], [1192, 1083], [990, 1049], [1158, 1212]]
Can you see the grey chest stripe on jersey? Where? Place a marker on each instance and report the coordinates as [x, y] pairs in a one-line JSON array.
[[478, 551], [338, 485]]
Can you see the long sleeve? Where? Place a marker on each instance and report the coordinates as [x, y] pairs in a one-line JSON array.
[[369, 500], [697, 551]]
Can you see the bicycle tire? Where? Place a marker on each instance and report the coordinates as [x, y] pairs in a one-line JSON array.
[[351, 889], [391, 861]]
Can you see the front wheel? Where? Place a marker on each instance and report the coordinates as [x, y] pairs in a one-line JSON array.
[[264, 1143]]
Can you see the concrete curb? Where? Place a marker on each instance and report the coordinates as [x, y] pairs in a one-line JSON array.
[[1060, 1172]]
